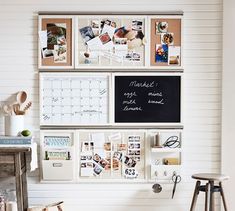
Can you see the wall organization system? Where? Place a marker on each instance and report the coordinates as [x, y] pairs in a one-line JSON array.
[[110, 78], [201, 105]]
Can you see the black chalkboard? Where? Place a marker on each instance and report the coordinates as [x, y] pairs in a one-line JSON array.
[[147, 99]]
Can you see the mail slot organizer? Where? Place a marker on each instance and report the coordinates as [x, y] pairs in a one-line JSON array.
[[110, 155], [57, 152]]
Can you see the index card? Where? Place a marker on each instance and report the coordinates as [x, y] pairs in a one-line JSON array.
[[109, 29], [43, 39], [115, 136], [99, 139], [95, 44]]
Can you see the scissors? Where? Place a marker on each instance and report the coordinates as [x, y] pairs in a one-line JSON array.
[[176, 179]]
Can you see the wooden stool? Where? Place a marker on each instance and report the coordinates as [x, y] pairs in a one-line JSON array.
[[211, 178]]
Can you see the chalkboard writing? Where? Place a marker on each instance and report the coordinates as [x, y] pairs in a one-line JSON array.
[[147, 99]]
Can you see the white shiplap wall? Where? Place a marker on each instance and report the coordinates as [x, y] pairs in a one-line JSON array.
[[202, 99]]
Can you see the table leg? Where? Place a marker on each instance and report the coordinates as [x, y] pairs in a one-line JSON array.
[[212, 198], [24, 185], [19, 190]]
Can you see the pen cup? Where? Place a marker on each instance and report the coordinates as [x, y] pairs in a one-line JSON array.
[[14, 125]]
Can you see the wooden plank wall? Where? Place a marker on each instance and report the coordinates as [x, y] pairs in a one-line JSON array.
[[202, 98]]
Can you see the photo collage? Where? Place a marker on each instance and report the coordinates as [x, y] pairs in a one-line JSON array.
[[53, 43], [166, 51], [114, 156], [107, 39]]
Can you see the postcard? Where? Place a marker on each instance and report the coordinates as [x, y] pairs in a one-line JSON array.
[[87, 33], [174, 55], [60, 53], [137, 25], [161, 53], [161, 27], [167, 38]]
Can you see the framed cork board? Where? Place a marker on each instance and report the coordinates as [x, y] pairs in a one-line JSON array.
[[166, 42], [55, 42]]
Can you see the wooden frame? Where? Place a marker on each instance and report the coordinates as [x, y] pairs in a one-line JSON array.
[[67, 44], [111, 60]]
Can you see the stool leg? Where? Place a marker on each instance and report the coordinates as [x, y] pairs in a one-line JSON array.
[[222, 195], [206, 196], [212, 198], [195, 195]]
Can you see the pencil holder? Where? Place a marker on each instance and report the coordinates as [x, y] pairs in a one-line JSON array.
[[14, 125]]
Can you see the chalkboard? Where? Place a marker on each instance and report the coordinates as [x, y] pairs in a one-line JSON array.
[[147, 99]]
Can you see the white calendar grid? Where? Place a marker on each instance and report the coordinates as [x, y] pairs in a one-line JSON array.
[[68, 100]]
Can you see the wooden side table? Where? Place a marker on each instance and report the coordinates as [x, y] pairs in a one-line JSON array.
[[13, 163]]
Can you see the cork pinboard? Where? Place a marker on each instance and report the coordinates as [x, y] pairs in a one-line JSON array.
[[50, 61], [174, 26]]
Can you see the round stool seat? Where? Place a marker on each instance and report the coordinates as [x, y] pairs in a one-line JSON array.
[[210, 177]]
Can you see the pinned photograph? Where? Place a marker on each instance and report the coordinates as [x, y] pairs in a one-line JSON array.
[[96, 158], [133, 56], [107, 146], [174, 55], [108, 22], [133, 152], [97, 170], [47, 53], [129, 162], [103, 163], [117, 155], [95, 24], [120, 44], [87, 33], [116, 164], [167, 38], [85, 146], [121, 147], [61, 40], [55, 30], [105, 38], [60, 53], [161, 27], [162, 53], [137, 25]]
